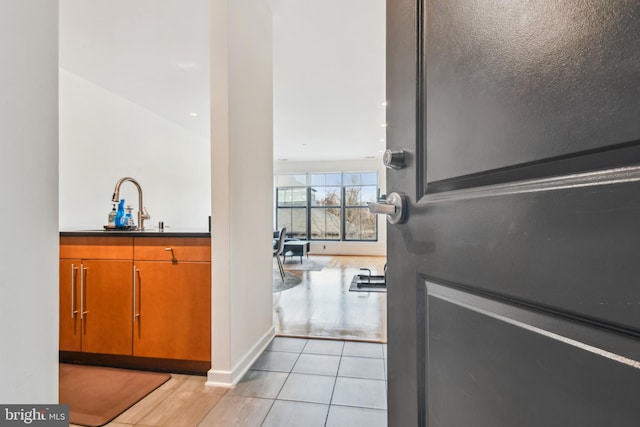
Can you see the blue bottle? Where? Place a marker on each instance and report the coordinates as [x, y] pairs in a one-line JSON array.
[[120, 214]]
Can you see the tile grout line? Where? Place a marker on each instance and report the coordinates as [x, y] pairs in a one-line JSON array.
[[335, 381], [267, 414], [284, 382]]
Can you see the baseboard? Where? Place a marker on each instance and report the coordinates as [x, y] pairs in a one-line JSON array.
[[228, 379], [348, 248], [190, 367]]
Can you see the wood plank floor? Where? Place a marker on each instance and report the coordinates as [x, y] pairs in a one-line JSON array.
[[323, 307]]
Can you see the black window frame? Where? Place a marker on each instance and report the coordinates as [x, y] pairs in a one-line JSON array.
[[342, 206], [292, 207]]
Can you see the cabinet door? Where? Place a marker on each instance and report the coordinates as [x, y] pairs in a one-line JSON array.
[[107, 306], [174, 307], [70, 325]]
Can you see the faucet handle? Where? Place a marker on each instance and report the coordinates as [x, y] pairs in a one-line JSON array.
[[145, 213]]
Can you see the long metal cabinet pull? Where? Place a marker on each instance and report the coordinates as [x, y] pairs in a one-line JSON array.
[[82, 312], [134, 294], [73, 291]]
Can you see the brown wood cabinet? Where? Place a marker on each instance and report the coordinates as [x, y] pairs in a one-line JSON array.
[[70, 323], [95, 295], [136, 296], [173, 298], [173, 302]]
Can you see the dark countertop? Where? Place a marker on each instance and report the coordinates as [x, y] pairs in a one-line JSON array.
[[148, 232]]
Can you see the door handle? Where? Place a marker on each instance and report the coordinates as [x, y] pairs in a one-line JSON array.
[[83, 285], [135, 285], [394, 207], [73, 291]]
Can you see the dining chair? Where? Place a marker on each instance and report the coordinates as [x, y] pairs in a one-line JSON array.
[[277, 252]]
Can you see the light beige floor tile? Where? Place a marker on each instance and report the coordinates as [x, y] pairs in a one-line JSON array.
[[295, 414], [317, 364], [237, 411], [340, 416], [363, 393], [363, 349], [184, 406], [324, 347], [362, 367], [293, 345], [263, 384], [308, 388]]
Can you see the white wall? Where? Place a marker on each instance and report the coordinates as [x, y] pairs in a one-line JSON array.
[[329, 78], [242, 216], [358, 165], [29, 191], [104, 137]]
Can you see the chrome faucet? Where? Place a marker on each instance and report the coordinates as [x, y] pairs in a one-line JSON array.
[[142, 211]]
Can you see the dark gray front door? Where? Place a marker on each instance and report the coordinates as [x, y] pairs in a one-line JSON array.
[[514, 285]]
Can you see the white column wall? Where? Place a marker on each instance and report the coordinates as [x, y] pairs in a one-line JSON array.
[[242, 167], [29, 191]]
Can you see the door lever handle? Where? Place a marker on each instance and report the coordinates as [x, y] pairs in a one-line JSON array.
[[394, 207], [382, 208]]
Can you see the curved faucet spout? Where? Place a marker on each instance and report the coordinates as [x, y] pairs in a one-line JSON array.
[[142, 211]]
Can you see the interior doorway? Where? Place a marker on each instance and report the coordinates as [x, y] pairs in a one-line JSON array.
[[330, 117]]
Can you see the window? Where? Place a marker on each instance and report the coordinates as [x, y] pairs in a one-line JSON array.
[[360, 224], [326, 212], [328, 206], [292, 210]]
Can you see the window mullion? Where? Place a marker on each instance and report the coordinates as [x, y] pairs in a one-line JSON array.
[[308, 210], [343, 226]]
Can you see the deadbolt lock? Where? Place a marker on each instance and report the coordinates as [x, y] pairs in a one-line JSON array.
[[394, 159]]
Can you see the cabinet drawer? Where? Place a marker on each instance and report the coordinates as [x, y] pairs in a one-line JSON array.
[[184, 248], [90, 247]]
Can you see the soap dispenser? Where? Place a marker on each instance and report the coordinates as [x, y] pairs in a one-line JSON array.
[[112, 216]]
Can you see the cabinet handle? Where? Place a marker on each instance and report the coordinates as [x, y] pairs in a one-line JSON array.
[[135, 315], [73, 291], [82, 289], [173, 255]]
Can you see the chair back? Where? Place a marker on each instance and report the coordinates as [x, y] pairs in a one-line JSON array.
[[283, 234]]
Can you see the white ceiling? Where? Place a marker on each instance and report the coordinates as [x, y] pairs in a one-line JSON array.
[[329, 67]]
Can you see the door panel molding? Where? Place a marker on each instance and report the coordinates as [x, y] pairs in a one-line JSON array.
[[568, 330], [591, 139], [499, 353], [496, 97], [610, 158], [613, 176], [421, 99]]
